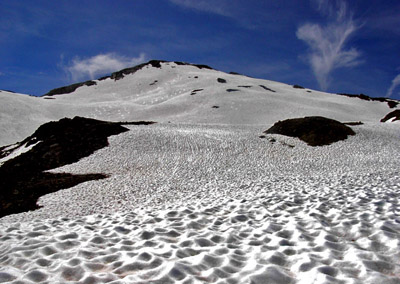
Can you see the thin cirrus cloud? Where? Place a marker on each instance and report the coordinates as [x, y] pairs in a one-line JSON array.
[[209, 6], [395, 83], [328, 43], [100, 64]]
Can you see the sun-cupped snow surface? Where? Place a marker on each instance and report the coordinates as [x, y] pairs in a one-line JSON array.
[[200, 203], [181, 94]]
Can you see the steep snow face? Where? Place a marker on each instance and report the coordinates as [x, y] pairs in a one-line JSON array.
[[182, 94], [20, 115]]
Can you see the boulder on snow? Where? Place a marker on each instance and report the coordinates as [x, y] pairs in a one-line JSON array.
[[314, 130]]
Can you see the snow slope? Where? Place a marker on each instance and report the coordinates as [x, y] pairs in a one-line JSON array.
[[166, 94], [204, 199], [217, 204]]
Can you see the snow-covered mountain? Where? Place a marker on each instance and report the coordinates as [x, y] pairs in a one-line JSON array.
[[179, 93], [210, 193]]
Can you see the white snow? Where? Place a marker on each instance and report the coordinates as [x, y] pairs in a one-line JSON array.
[[16, 150], [204, 200]]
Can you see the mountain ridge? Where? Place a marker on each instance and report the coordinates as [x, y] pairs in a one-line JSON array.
[[179, 92], [118, 75]]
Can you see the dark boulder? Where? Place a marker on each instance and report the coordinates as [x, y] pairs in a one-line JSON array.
[[314, 130]]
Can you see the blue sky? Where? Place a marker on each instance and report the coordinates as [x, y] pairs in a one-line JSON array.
[[337, 46]]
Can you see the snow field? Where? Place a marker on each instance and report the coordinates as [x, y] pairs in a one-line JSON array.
[[217, 204]]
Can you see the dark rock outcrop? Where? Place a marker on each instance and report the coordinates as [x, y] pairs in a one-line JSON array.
[[122, 73], [354, 123], [69, 89], [394, 114], [266, 88], [314, 130], [196, 91], [391, 102], [298, 87], [220, 80], [200, 66], [23, 179]]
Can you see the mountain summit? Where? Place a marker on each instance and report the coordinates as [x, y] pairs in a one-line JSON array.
[[178, 92]]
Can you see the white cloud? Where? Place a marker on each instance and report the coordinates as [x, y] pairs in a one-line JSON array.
[[219, 7], [395, 83], [101, 64], [327, 43]]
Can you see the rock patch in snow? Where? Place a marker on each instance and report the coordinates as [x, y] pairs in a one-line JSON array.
[[69, 89], [391, 103], [314, 130], [22, 178], [392, 116]]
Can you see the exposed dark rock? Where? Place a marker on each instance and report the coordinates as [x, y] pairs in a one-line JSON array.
[[154, 63], [394, 114], [266, 88], [215, 106], [244, 86], [196, 91], [155, 81], [140, 122], [298, 87], [353, 123], [122, 73], [235, 73], [232, 90], [314, 130], [220, 80], [262, 136], [200, 66], [23, 180], [69, 89], [391, 102]]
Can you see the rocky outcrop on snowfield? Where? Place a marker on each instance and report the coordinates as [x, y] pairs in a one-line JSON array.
[[392, 116], [22, 166], [314, 130], [391, 102]]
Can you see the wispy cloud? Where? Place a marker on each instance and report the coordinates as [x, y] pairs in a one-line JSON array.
[[395, 83], [219, 7], [328, 43], [100, 64]]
